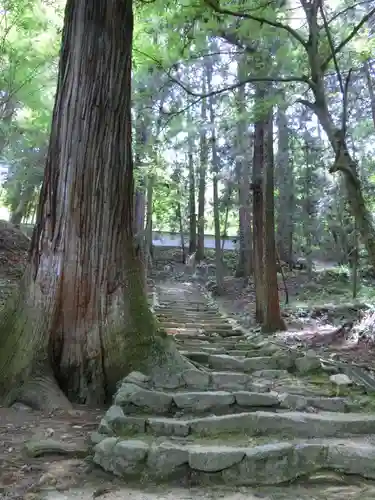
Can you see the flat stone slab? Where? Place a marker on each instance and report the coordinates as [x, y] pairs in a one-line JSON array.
[[230, 381], [225, 362], [268, 464], [203, 401], [301, 402], [258, 423], [131, 396]]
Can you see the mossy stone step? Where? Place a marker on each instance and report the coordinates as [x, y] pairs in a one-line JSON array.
[[240, 363], [264, 464], [260, 423], [182, 333], [206, 325], [166, 312]]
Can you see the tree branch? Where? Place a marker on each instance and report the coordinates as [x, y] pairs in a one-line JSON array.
[[345, 103], [233, 39], [347, 39], [308, 104], [346, 10], [214, 4], [288, 79], [254, 79], [331, 46]]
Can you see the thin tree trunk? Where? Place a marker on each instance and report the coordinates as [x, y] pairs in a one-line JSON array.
[[226, 217], [285, 184], [182, 233], [20, 212], [344, 163], [243, 173], [366, 68], [149, 212], [192, 212], [203, 160], [81, 320], [258, 211], [215, 185]]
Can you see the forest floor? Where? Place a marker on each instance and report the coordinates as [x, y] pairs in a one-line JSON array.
[[72, 477]]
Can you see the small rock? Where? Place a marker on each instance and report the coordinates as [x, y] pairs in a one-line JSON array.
[[203, 401], [164, 458], [256, 399], [137, 378], [308, 363], [196, 379], [20, 407], [230, 381], [214, 458], [224, 362], [340, 379], [271, 374]]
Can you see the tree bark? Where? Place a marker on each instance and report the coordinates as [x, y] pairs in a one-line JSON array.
[[258, 209], [203, 146], [243, 172], [192, 212], [19, 213], [81, 321], [367, 71], [344, 162], [272, 320], [215, 187], [285, 184]]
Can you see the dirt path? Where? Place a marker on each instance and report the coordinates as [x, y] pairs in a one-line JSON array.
[[21, 474]]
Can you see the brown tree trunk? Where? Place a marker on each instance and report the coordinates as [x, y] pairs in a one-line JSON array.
[[243, 172], [19, 213], [192, 212], [182, 233], [149, 227], [272, 320], [258, 210], [81, 319], [367, 71], [285, 184], [344, 162], [202, 178], [215, 186]]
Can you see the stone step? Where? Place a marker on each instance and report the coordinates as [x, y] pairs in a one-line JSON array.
[[193, 333], [204, 325], [143, 403], [294, 424], [223, 362], [184, 304], [171, 312], [220, 423], [237, 465]]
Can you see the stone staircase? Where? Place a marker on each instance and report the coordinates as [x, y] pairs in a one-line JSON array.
[[253, 414]]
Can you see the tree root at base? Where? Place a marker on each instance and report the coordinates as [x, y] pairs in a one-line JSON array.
[[40, 393], [170, 365], [40, 447]]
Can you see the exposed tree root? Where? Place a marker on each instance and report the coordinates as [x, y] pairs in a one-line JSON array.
[[168, 364], [40, 393], [37, 448]]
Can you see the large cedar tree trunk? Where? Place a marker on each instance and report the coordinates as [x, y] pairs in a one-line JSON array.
[[272, 320], [258, 213], [81, 321]]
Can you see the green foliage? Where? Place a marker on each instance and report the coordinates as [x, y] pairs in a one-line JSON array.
[[29, 45]]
